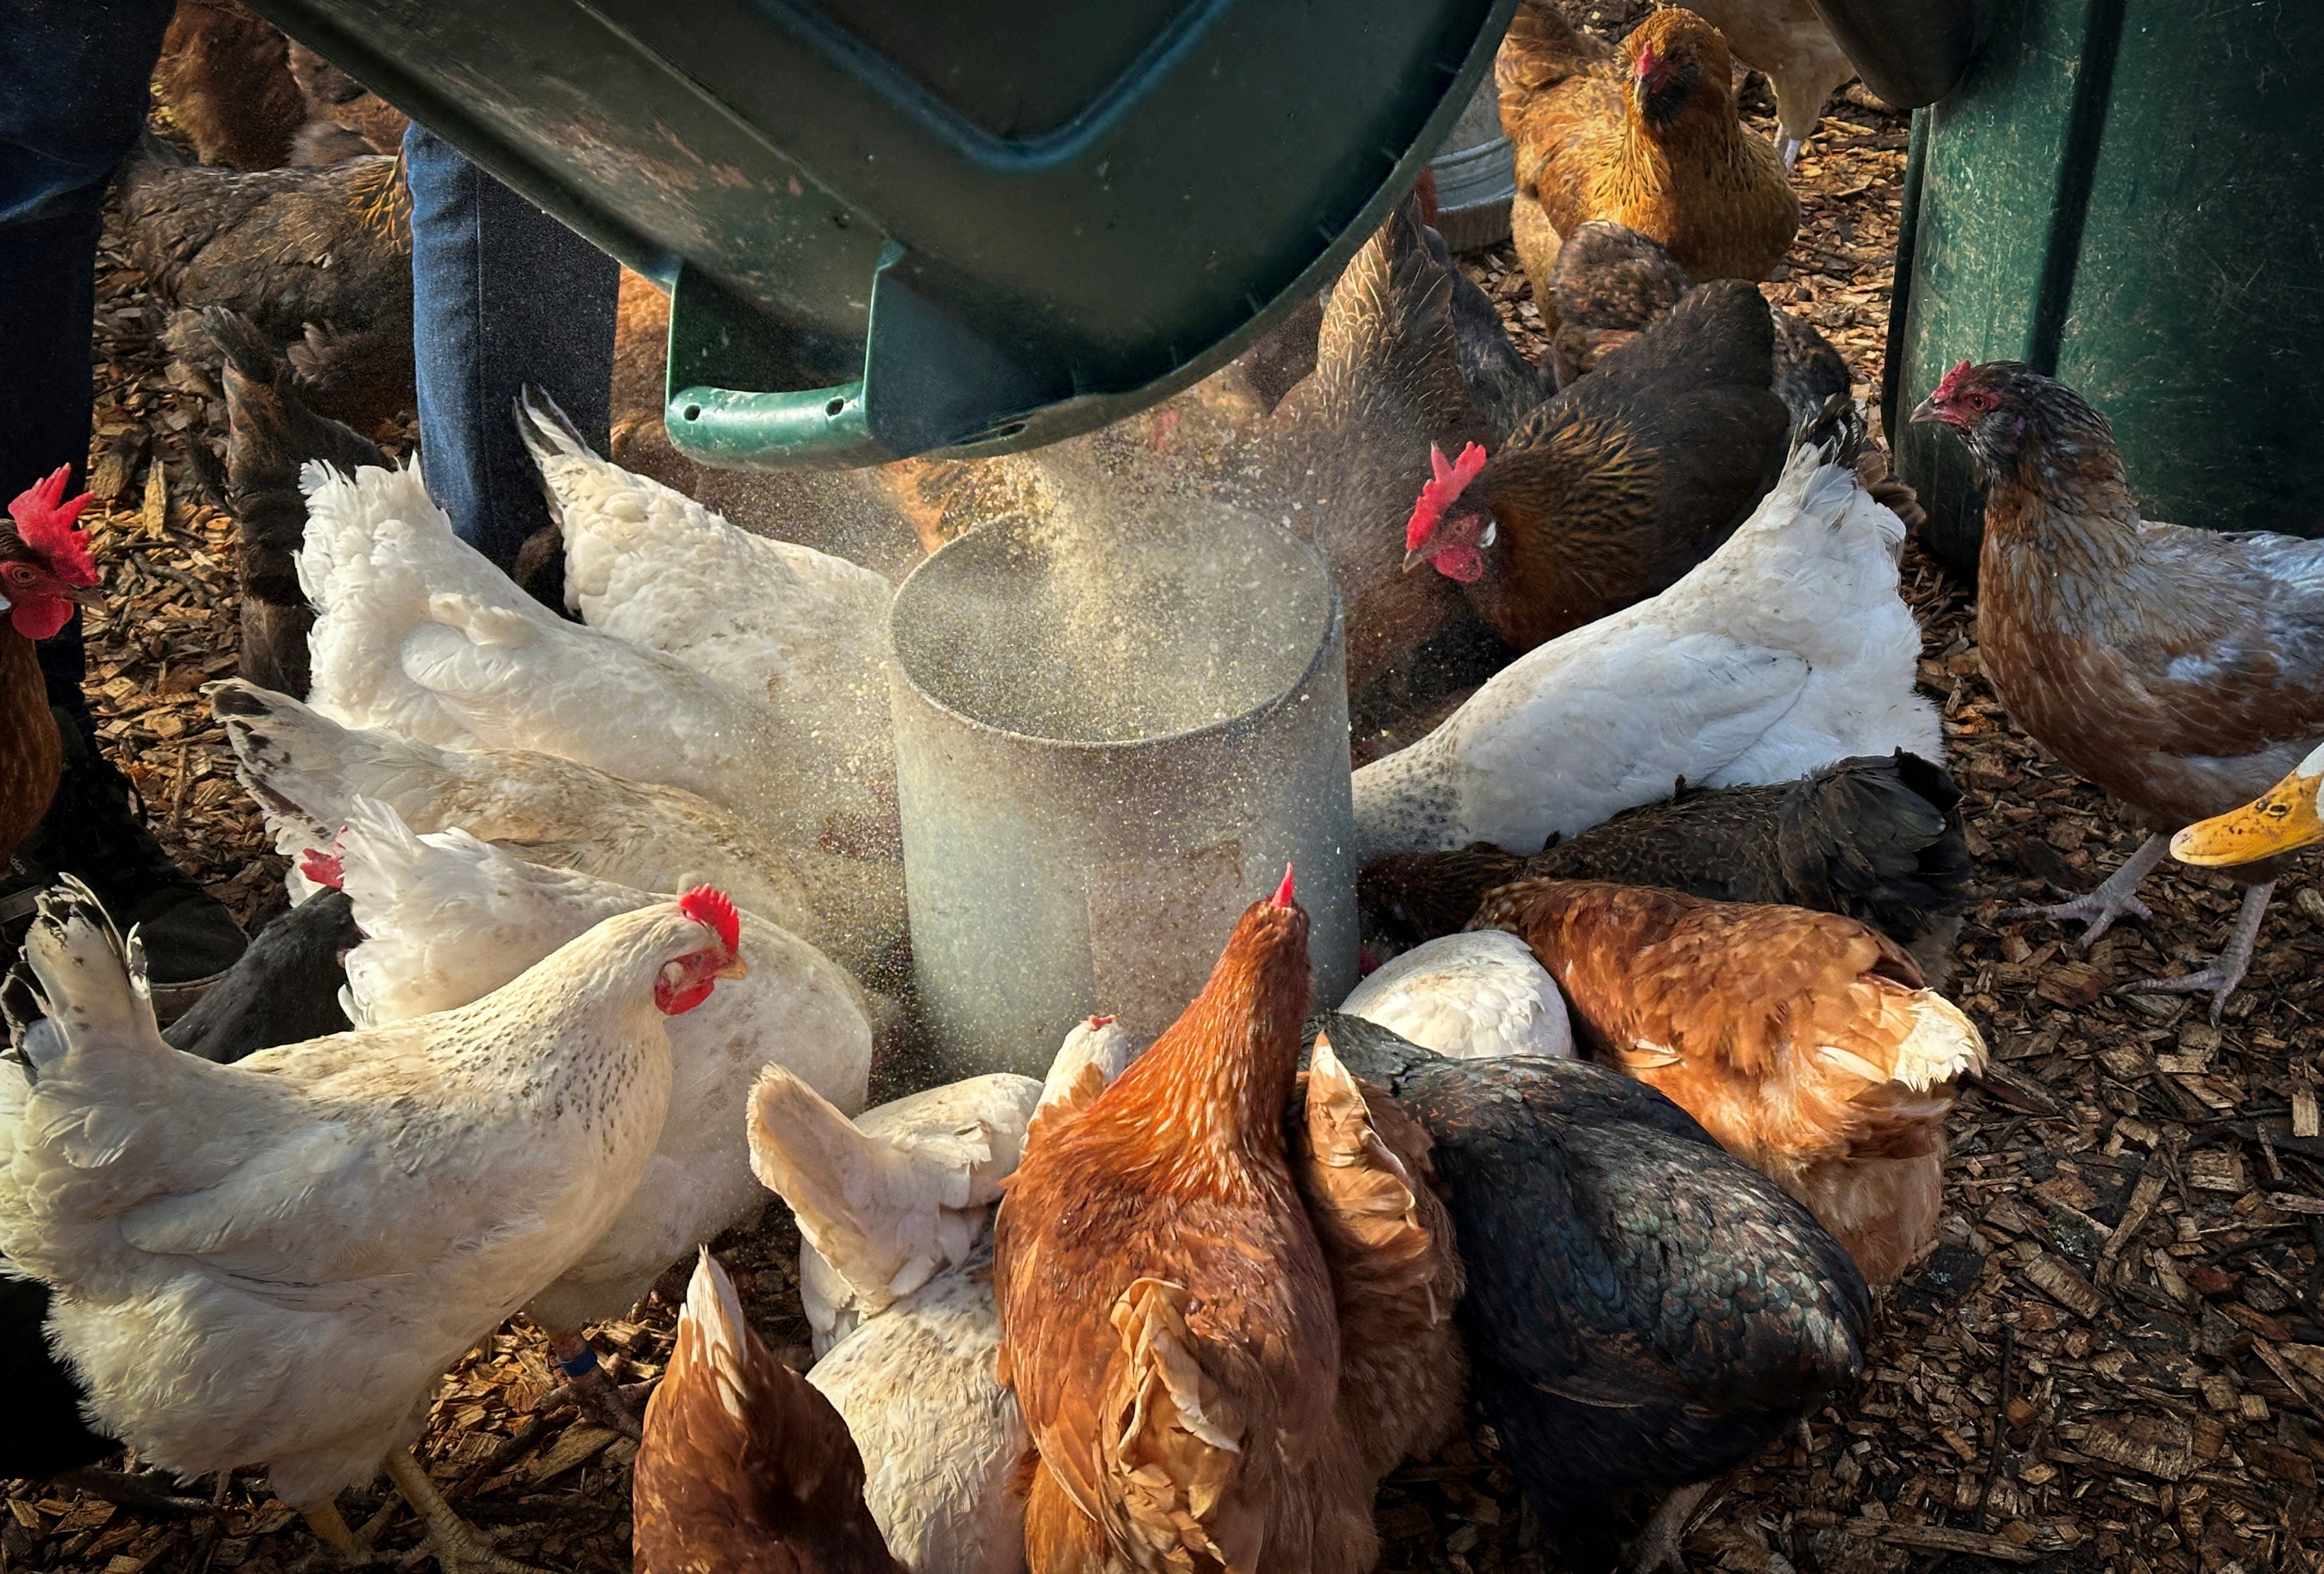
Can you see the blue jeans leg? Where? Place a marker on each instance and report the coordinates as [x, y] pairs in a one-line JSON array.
[[72, 101], [503, 295]]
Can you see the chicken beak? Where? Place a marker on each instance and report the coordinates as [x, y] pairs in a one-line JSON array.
[[1415, 558], [735, 967], [1926, 410], [2283, 818]]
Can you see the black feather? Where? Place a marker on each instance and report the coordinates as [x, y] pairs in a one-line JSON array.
[[284, 989]]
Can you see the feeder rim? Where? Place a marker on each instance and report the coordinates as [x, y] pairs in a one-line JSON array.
[[1249, 719]]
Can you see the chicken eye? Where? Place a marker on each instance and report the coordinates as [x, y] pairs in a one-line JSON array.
[[20, 574]]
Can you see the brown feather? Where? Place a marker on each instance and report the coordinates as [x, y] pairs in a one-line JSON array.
[[1803, 1041]]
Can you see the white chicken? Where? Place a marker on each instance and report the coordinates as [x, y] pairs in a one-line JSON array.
[[915, 1378], [1474, 995], [416, 632], [653, 566], [1786, 649], [447, 919], [274, 1262], [306, 769]]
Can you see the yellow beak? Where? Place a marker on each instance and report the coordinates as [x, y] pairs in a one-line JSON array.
[[736, 969], [2283, 818]]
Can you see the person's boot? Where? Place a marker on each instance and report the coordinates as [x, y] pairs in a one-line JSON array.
[[94, 830]]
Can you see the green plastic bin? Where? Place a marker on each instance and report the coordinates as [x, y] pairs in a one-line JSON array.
[[899, 227], [2128, 195]]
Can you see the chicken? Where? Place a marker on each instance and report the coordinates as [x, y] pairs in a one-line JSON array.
[[271, 434], [45, 570], [2181, 670], [418, 634], [1618, 485], [1788, 41], [1340, 457], [941, 1437], [273, 1262], [306, 771], [744, 1468], [651, 565], [1467, 996], [1363, 1171], [281, 990], [1647, 137], [1643, 1312], [319, 259], [904, 1192], [1168, 1320], [1785, 650], [226, 75], [1804, 1042], [1613, 282], [1877, 839]]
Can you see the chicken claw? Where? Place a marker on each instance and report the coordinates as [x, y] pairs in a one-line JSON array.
[[2115, 898], [623, 1410], [457, 1547], [2220, 978]]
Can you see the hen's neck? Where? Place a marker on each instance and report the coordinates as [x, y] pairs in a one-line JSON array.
[[2061, 508], [1210, 1092], [1405, 802]]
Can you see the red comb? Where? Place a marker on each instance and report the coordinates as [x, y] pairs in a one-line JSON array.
[[1453, 477], [1645, 66], [44, 523], [709, 907], [1098, 1022], [1282, 897], [323, 868], [1952, 381]]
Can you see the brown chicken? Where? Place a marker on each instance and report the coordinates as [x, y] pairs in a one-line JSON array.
[[224, 73], [1787, 39], [344, 121], [320, 259], [1166, 1318], [1646, 136], [2181, 670], [744, 1468], [1362, 1168], [44, 571], [271, 434], [1621, 483], [1804, 1042]]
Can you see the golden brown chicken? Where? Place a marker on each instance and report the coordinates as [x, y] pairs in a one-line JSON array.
[[44, 571], [1362, 1168], [1166, 1318], [1646, 136], [1803, 1041], [744, 1468]]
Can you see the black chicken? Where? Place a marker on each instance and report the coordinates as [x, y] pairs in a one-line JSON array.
[[1875, 839], [285, 989], [271, 434], [1644, 1311]]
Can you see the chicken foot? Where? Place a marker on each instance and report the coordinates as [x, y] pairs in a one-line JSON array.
[[586, 1385], [332, 1530], [1657, 1545], [2226, 970], [2118, 897], [458, 1548]]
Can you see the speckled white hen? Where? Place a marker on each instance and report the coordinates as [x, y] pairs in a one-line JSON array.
[[416, 632], [939, 1436], [274, 1262], [649, 564], [1786, 649], [447, 919], [306, 769], [1474, 996]]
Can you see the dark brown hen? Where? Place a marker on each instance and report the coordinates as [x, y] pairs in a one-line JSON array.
[[1871, 839], [1622, 482], [271, 434]]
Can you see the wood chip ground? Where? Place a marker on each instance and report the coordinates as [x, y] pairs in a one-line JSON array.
[[2114, 1360]]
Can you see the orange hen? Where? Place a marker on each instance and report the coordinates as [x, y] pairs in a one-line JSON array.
[[744, 1468], [1166, 1318], [1803, 1041], [44, 571], [1646, 136], [1363, 1168]]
